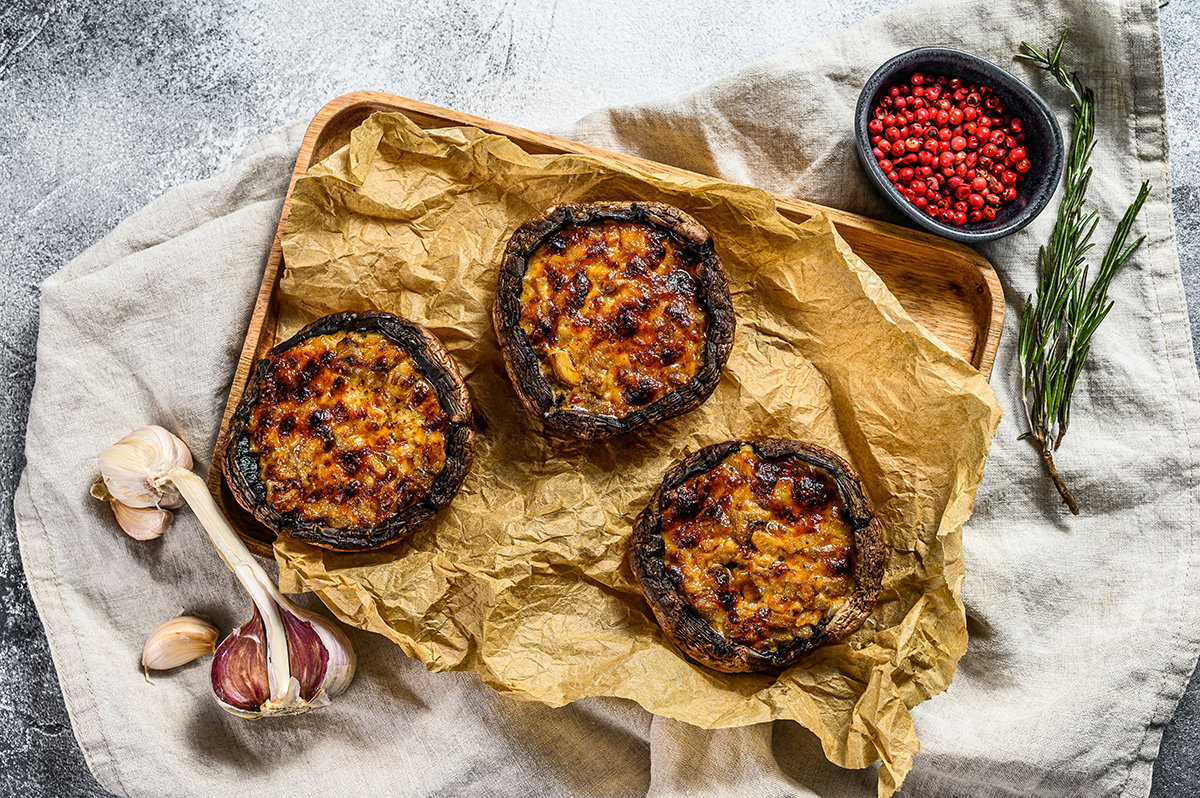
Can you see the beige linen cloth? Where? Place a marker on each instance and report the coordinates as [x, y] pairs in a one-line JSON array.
[[1083, 629]]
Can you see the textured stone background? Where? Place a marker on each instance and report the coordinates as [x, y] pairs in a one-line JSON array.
[[108, 105]]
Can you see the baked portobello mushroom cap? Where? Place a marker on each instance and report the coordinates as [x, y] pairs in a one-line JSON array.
[[612, 316], [752, 553], [351, 434]]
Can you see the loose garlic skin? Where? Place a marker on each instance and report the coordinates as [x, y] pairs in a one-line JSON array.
[[179, 641], [135, 468], [142, 523]]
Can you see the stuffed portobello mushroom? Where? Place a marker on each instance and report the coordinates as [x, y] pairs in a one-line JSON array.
[[351, 434], [752, 553], [612, 316]]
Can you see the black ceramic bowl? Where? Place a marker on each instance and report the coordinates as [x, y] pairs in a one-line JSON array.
[[1043, 139]]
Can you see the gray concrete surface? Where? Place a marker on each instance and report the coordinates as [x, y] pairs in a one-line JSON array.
[[108, 105]]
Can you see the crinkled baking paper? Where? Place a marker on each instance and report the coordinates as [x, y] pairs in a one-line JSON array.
[[524, 578]]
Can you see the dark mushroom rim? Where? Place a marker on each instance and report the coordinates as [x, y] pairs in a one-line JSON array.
[[692, 633], [434, 363], [522, 362]]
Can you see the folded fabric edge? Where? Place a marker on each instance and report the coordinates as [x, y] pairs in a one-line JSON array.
[[1144, 43], [237, 185], [81, 707]]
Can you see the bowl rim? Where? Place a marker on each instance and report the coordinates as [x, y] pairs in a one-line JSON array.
[[911, 60]]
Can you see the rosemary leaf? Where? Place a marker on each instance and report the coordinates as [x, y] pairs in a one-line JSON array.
[[1058, 322]]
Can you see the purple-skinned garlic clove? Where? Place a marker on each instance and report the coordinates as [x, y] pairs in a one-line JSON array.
[[239, 669]]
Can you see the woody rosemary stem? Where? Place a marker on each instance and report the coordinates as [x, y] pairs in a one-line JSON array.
[[1057, 326], [1063, 490]]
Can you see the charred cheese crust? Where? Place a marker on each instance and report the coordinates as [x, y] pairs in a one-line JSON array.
[[612, 316], [751, 553], [612, 310], [351, 434], [761, 549], [347, 430]]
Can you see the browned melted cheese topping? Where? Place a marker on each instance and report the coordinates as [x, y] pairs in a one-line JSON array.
[[612, 311], [760, 548], [347, 430]]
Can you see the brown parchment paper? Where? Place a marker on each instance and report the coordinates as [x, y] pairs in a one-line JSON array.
[[523, 579]]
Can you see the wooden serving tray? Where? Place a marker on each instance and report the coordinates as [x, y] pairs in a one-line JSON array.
[[947, 287]]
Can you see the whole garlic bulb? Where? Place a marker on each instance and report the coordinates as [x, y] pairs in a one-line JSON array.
[[248, 682], [135, 468]]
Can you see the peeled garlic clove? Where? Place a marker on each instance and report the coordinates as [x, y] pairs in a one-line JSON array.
[[135, 468], [142, 523], [178, 641]]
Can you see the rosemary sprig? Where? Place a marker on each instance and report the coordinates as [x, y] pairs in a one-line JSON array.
[[1057, 328]]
